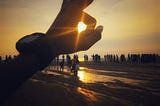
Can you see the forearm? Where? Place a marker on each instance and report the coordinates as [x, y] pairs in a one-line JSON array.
[[16, 72], [21, 64]]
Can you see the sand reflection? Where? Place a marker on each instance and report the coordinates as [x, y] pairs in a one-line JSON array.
[[89, 95]]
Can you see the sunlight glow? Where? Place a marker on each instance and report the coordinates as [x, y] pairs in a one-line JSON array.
[[81, 27], [81, 75], [81, 59]]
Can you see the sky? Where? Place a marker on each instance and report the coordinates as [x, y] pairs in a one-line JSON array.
[[130, 26]]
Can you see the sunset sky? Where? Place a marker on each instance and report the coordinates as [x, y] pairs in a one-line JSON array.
[[130, 26]]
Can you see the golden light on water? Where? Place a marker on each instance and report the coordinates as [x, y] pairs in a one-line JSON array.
[[93, 76], [81, 59], [81, 27], [81, 75], [84, 76]]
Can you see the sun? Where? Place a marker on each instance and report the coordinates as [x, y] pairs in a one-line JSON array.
[[81, 27]]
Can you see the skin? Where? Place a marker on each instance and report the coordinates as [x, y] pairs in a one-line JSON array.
[[62, 37]]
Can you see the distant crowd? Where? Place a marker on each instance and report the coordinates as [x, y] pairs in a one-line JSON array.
[[142, 58]]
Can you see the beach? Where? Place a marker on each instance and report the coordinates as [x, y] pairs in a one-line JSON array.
[[97, 84]]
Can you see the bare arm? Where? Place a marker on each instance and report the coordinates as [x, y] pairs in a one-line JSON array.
[[14, 73]]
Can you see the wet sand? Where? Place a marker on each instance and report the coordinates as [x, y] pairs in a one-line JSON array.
[[97, 84]]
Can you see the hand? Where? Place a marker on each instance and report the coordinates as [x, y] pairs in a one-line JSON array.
[[63, 33], [63, 36]]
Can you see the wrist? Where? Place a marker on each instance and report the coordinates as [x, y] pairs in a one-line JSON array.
[[37, 45]]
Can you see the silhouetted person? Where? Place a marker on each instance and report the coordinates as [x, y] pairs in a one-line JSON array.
[[134, 57], [111, 58], [85, 58], [122, 58], [9, 58], [96, 58], [69, 62], [38, 50], [105, 58], [99, 58], [114, 58], [75, 64], [6, 59], [93, 57], [139, 57], [62, 64], [129, 57], [117, 59]]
